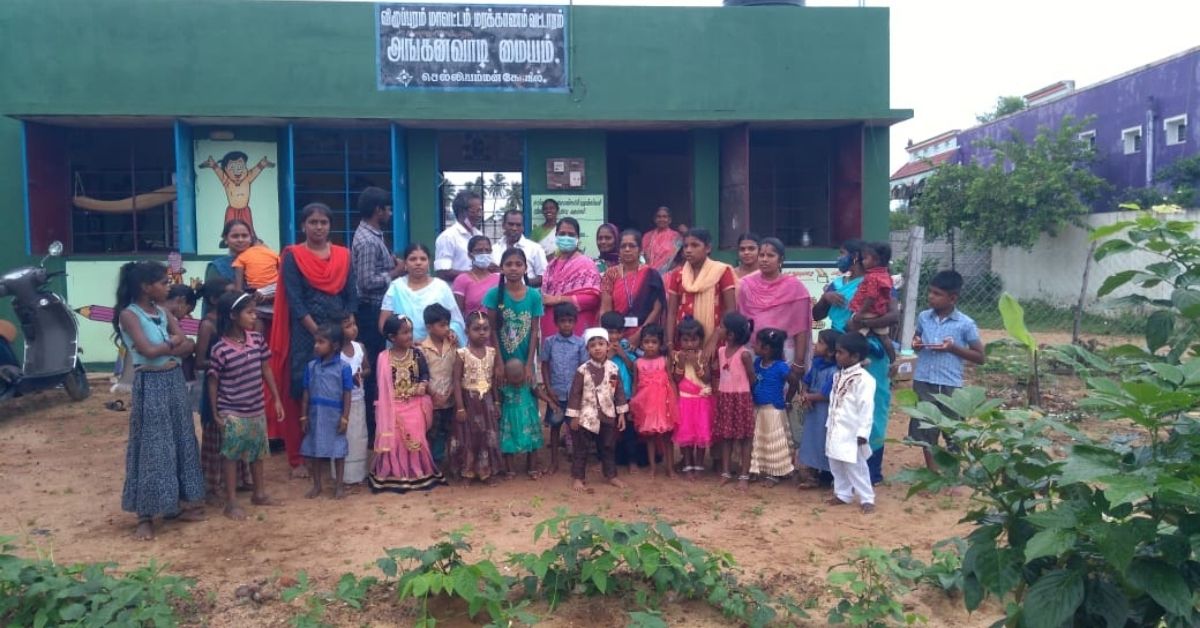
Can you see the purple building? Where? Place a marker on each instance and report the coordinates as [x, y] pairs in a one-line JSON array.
[[1142, 121]]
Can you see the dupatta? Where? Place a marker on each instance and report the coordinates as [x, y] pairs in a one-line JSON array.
[[781, 304]]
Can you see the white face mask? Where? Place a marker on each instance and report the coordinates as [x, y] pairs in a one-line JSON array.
[[482, 260]]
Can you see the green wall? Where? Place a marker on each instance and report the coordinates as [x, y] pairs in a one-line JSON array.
[[12, 200], [317, 59]]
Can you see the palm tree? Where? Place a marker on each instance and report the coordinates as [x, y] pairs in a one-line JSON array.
[[516, 196], [496, 188]]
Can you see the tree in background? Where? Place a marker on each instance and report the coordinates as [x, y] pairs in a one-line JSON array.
[[516, 196], [1029, 189], [1004, 106]]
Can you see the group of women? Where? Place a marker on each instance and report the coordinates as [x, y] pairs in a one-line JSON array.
[[662, 276]]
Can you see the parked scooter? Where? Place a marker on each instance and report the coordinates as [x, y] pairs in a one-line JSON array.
[[50, 331]]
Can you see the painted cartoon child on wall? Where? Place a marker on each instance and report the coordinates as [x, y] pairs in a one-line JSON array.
[[236, 179]]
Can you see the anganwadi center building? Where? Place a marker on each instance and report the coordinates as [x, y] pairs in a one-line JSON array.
[[765, 118]]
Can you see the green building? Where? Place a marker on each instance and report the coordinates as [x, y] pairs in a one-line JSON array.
[[771, 119]]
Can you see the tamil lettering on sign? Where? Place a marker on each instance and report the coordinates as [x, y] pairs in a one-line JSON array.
[[492, 47]]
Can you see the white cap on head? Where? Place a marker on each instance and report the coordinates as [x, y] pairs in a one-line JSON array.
[[594, 332]]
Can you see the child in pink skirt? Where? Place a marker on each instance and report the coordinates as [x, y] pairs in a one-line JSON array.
[[654, 406], [692, 375], [734, 425]]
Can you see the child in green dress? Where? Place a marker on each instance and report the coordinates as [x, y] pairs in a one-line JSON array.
[[520, 426]]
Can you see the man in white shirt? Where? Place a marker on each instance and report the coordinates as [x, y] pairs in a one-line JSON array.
[[450, 257], [514, 235]]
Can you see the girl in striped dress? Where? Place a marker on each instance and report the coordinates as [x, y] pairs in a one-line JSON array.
[[771, 457]]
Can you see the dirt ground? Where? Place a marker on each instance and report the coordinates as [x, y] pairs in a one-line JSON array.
[[62, 465]]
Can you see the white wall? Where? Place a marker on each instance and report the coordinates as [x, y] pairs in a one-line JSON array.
[[1053, 270]]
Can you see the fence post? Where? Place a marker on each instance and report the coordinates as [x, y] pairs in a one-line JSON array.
[[912, 283]]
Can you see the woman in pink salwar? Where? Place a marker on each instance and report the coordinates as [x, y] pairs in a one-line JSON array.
[[661, 244], [570, 277], [774, 300], [403, 413]]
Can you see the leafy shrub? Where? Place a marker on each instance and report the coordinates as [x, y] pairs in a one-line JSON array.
[[869, 591], [37, 592]]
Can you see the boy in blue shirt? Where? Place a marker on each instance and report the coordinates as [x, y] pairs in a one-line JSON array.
[[944, 339], [561, 355]]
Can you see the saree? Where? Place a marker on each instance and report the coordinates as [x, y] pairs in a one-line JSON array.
[[576, 277], [324, 275], [634, 294], [545, 236], [660, 247], [780, 304]]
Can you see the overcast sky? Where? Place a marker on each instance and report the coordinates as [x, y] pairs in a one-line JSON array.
[[952, 58]]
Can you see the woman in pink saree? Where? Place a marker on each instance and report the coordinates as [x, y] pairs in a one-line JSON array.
[[570, 278], [661, 244], [770, 298]]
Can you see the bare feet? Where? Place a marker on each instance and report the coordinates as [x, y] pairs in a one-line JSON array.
[[339, 491], [313, 492], [744, 483], [725, 479], [553, 468], [144, 530], [265, 500], [235, 512], [300, 473], [633, 469], [868, 509], [579, 486], [193, 514], [615, 481], [834, 501], [670, 471]]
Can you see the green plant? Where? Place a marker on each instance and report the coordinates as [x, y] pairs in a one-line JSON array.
[[1105, 536], [869, 591], [595, 556], [442, 570], [1014, 323], [39, 592]]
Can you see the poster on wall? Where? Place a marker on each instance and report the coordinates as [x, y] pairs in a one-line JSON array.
[[471, 47], [588, 209], [235, 179]]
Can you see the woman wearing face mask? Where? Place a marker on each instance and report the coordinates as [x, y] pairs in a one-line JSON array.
[[570, 277], [835, 301], [470, 286]]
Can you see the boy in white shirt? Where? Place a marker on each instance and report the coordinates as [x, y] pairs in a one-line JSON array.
[[851, 408]]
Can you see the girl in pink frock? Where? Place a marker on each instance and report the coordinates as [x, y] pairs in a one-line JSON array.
[[403, 413], [694, 432], [734, 422], [654, 406]]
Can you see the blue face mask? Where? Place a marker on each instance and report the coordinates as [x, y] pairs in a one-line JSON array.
[[482, 260], [566, 243], [844, 263]]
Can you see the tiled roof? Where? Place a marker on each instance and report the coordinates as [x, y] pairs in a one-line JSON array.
[[917, 167]]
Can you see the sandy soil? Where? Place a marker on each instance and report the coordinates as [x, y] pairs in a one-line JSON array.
[[61, 469]]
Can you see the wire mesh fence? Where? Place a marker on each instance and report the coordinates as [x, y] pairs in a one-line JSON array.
[[1054, 319]]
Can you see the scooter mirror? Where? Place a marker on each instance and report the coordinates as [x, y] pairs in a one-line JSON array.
[[56, 248]]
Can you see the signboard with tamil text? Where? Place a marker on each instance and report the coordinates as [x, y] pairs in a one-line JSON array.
[[471, 47]]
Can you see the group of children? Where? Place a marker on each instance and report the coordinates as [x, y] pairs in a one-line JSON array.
[[467, 413]]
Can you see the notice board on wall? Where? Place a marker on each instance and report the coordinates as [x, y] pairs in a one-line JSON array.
[[471, 47]]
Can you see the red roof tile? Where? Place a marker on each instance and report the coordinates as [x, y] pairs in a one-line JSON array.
[[917, 167]]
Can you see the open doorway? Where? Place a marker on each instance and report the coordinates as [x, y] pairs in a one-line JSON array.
[[488, 163], [645, 171]]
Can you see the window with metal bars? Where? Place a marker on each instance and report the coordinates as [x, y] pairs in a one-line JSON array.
[[332, 166]]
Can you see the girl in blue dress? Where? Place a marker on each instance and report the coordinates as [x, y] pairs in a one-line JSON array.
[[328, 383], [818, 384]]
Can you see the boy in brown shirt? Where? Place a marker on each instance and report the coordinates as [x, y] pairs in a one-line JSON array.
[[597, 407]]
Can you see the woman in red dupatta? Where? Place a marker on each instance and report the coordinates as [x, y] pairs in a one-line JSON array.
[[632, 289], [770, 298], [570, 277], [316, 282], [662, 243]]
